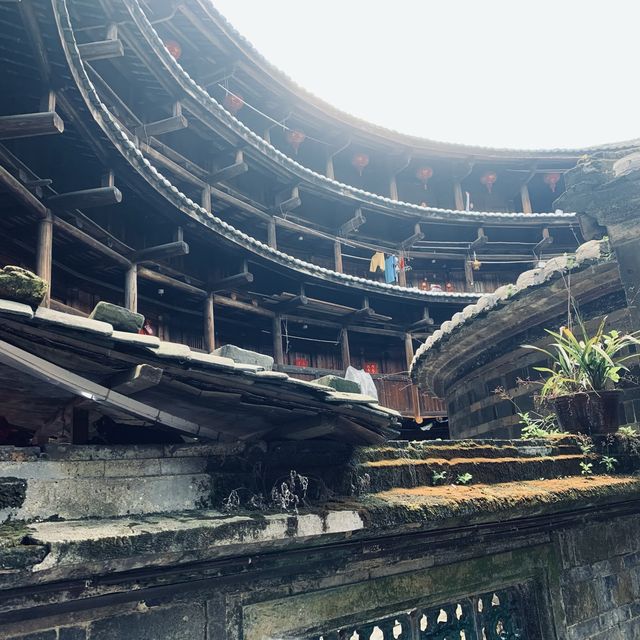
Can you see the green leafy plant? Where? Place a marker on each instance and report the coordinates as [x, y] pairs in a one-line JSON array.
[[439, 477], [586, 468], [628, 432], [464, 478], [535, 425], [609, 463], [584, 364]]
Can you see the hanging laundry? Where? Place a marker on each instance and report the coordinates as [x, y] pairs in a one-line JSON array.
[[391, 269], [377, 262]]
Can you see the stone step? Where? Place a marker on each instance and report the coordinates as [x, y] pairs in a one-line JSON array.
[[382, 475], [450, 449]]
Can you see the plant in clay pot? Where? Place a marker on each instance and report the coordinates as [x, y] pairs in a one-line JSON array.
[[583, 378]]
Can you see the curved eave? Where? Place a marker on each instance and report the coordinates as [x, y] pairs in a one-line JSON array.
[[131, 154], [323, 111], [198, 101], [457, 346]]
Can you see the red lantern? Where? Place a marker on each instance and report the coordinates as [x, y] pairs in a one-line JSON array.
[[371, 367], [173, 48], [424, 174], [295, 138], [301, 362], [552, 180], [360, 161], [233, 102], [488, 180]]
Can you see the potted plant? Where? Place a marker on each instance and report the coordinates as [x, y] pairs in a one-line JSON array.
[[583, 376]]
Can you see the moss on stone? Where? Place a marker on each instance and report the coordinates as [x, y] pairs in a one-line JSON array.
[[19, 285]]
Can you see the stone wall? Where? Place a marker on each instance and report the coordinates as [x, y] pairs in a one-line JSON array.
[[575, 580]]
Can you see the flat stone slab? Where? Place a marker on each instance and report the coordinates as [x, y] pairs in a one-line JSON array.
[[68, 321], [119, 318], [139, 339], [211, 360], [244, 356], [173, 350], [353, 398], [339, 384], [11, 308]]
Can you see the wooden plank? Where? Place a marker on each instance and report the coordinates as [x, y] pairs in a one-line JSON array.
[[131, 288], [28, 125], [44, 254], [415, 395], [85, 199], [233, 282], [526, 199], [101, 50], [344, 348], [162, 251], [292, 303], [209, 324], [352, 225], [337, 255]]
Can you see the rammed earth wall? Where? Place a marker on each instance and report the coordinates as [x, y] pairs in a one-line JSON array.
[[575, 581]]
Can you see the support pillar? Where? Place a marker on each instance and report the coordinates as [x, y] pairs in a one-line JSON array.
[[278, 352], [526, 200], [131, 288], [344, 348], [44, 254], [337, 256], [458, 196], [415, 395], [271, 234], [209, 325], [393, 187]]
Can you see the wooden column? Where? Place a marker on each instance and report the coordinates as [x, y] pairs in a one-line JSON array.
[[458, 196], [415, 395], [44, 252], [271, 234], [337, 255], [79, 426], [393, 187], [344, 347], [131, 288], [278, 353], [329, 172], [205, 199], [526, 200], [209, 325], [468, 275], [402, 278]]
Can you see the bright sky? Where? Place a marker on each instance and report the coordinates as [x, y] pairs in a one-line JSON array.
[[545, 73]]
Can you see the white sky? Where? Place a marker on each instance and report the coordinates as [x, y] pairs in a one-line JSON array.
[[545, 73]]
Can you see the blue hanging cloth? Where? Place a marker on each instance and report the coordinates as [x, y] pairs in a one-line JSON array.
[[391, 269]]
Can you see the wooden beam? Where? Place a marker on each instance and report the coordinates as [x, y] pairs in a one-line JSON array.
[[131, 288], [160, 127], [288, 204], [337, 255], [85, 199], [426, 321], [205, 198], [480, 241], [88, 240], [44, 254], [526, 199], [278, 353], [137, 379], [458, 196], [412, 239], [79, 426], [237, 168], [101, 50], [162, 252], [28, 125], [167, 281], [547, 239], [209, 324], [293, 303], [22, 194], [352, 225], [232, 282], [344, 348]]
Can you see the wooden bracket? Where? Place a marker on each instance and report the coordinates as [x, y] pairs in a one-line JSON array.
[[547, 239], [237, 168], [160, 127], [86, 199], [28, 125], [352, 225], [289, 305], [412, 239], [288, 200], [141, 377], [162, 251], [101, 50], [235, 281], [480, 241]]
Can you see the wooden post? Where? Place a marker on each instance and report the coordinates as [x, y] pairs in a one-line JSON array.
[[278, 353], [80, 426], [393, 187], [526, 200], [271, 234], [402, 278], [209, 326], [415, 396], [131, 288], [468, 275], [344, 347], [205, 198], [457, 196], [43, 257], [329, 172], [337, 255]]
